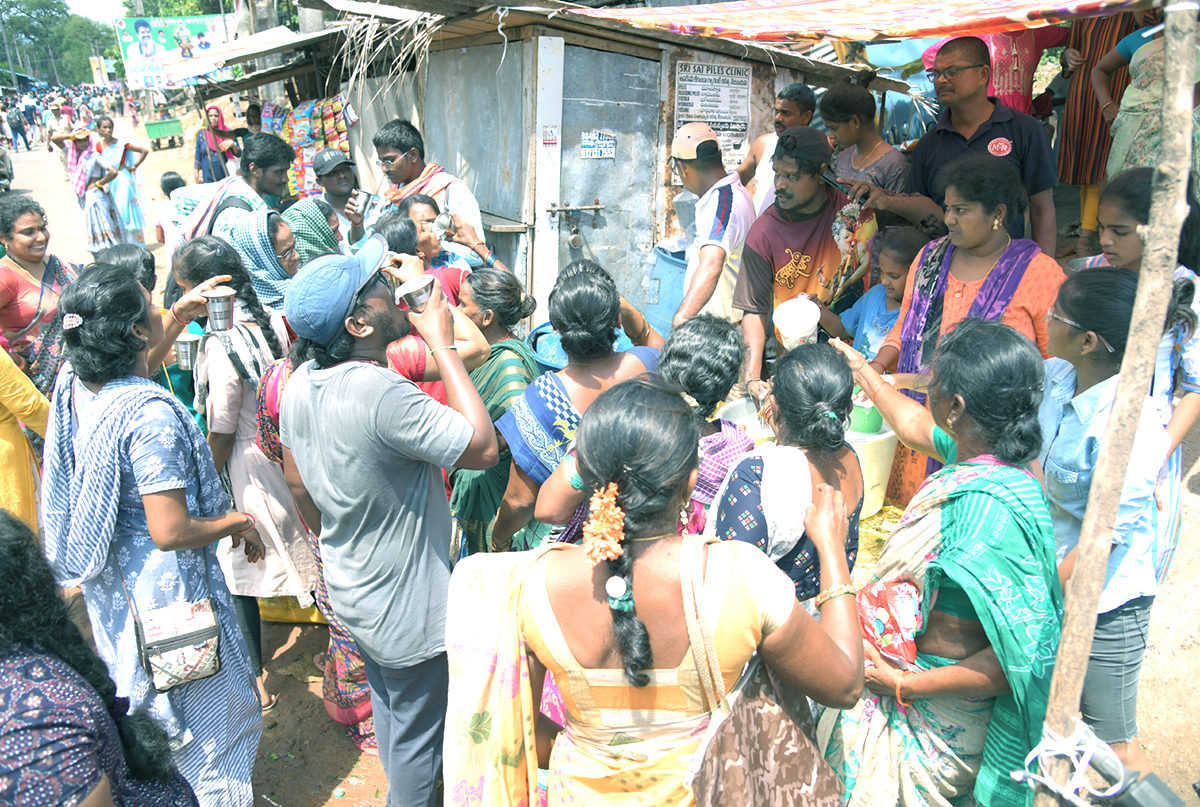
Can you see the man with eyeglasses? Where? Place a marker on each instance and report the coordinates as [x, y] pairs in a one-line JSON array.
[[400, 152], [363, 453], [724, 214], [791, 249], [794, 106], [971, 121]]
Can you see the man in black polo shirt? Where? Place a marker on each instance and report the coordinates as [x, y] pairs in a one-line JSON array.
[[971, 121]]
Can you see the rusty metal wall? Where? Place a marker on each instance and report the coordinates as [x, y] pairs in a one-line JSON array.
[[615, 94], [476, 110]]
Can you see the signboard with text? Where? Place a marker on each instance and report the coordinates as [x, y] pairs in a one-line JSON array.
[[148, 44], [719, 95]]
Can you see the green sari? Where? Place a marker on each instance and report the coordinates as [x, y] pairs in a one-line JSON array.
[[476, 495], [982, 526]]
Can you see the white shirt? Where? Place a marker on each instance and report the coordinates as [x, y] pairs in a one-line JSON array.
[[344, 226], [764, 175], [458, 199], [723, 218]]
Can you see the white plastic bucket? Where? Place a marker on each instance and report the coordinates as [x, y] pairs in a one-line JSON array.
[[796, 322], [875, 453]]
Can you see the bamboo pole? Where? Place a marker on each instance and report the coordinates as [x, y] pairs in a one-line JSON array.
[[1161, 236]]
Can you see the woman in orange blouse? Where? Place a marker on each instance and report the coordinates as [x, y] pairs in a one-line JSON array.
[[978, 272]]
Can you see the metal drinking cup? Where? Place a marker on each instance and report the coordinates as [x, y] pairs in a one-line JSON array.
[[187, 349], [416, 293], [220, 308]]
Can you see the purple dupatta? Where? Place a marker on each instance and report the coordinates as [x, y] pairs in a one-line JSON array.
[[923, 325]]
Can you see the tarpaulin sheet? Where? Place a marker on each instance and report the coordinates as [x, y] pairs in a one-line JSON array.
[[798, 20]]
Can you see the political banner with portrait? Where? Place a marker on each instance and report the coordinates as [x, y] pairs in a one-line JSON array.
[[148, 44]]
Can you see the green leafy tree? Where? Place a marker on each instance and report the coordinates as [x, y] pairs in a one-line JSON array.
[[176, 8], [82, 39], [35, 28]]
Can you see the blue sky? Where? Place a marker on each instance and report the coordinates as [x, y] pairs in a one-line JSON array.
[[102, 10]]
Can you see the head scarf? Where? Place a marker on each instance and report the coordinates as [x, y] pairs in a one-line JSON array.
[[79, 160], [253, 242], [313, 234], [210, 136]]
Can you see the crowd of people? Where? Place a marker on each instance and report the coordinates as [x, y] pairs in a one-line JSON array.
[[546, 562]]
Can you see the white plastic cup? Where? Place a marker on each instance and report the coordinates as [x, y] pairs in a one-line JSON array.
[[187, 349], [416, 293], [220, 308], [796, 322]]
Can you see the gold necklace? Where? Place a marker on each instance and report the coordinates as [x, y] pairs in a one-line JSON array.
[[959, 293], [868, 158]]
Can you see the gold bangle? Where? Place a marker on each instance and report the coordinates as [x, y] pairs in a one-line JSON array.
[[900, 680], [875, 391], [836, 591], [443, 347], [637, 340]]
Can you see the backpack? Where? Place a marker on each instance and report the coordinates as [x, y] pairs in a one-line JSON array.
[[15, 120]]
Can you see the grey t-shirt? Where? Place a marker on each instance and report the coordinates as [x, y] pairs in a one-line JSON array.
[[369, 444], [889, 171]]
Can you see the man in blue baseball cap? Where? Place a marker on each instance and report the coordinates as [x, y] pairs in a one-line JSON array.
[[363, 449]]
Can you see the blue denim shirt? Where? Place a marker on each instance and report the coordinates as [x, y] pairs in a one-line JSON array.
[[1073, 427]]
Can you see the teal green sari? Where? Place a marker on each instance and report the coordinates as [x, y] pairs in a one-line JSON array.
[[476, 495], [982, 526]]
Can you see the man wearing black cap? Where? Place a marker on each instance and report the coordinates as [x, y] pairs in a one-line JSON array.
[[791, 249], [794, 106], [335, 175]]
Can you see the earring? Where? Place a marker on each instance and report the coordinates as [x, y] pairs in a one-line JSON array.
[[995, 224], [683, 517]]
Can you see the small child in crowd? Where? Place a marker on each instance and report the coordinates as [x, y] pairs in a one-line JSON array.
[[870, 319]]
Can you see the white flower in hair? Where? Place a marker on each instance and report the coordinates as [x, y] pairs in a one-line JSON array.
[[71, 320]]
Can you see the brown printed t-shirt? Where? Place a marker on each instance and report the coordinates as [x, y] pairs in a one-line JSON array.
[[786, 256]]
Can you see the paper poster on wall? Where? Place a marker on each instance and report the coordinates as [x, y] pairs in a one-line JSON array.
[[719, 95], [597, 146]]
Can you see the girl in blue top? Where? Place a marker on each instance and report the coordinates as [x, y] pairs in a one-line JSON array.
[[1125, 204], [1088, 328], [869, 321]]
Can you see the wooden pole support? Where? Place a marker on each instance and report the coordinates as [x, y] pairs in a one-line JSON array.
[[1167, 213]]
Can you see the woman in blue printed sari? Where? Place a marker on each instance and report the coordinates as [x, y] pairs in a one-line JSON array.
[[126, 189], [585, 309]]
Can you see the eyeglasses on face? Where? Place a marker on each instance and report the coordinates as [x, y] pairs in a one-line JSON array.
[[287, 252], [387, 162], [950, 73], [1051, 315]]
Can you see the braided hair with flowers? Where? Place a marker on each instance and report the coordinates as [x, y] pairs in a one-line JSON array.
[[637, 447]]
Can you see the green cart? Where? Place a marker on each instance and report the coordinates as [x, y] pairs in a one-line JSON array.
[[169, 129]]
